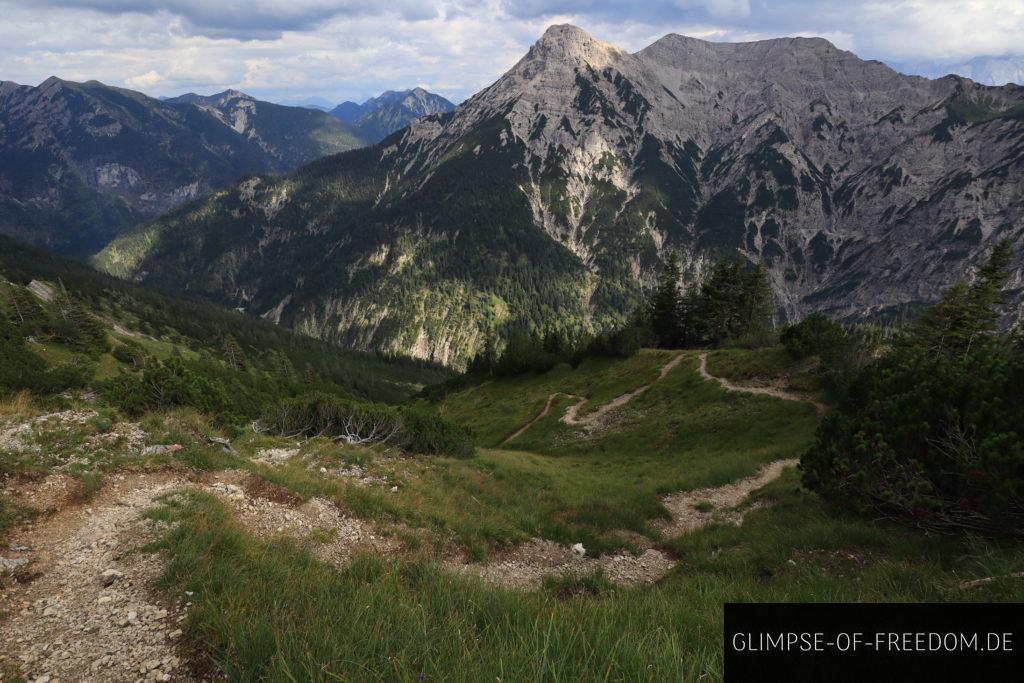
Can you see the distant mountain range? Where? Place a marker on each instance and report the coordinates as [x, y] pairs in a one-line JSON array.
[[81, 162], [985, 70], [378, 117], [552, 197]]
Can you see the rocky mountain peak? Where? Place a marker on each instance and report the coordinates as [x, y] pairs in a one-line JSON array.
[[861, 191], [568, 43]]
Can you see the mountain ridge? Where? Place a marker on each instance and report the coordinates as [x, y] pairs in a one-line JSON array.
[[79, 162], [392, 110], [551, 197]]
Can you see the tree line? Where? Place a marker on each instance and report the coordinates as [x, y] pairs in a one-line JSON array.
[[732, 304]]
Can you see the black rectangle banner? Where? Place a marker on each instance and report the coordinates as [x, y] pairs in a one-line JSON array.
[[874, 642]]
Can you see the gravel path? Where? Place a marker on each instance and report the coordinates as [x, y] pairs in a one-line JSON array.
[[541, 415], [525, 566], [82, 608], [596, 418], [692, 510], [764, 391]]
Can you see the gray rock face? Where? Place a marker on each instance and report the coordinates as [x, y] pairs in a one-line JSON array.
[[554, 195], [862, 190]]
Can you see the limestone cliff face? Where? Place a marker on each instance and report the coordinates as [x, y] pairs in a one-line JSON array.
[[552, 196]]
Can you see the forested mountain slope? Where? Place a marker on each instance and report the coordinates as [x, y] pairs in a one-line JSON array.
[[80, 162], [552, 197]]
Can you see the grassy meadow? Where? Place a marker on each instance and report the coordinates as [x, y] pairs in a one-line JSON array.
[[268, 610]]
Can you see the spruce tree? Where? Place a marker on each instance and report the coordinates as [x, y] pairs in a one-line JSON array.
[[733, 301], [233, 354], [486, 359], [665, 304], [966, 315], [756, 303]]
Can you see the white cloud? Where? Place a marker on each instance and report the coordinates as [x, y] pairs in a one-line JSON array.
[[351, 49], [144, 81]]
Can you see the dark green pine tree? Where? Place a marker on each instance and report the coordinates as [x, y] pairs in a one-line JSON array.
[[987, 294], [23, 308], [282, 365], [486, 359], [720, 295], [83, 326], [966, 315], [556, 345], [756, 303], [733, 301], [691, 325], [233, 354], [666, 304]]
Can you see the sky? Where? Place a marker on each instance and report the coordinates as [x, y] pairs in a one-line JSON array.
[[336, 50]]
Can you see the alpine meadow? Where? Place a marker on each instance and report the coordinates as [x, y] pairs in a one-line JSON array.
[[539, 380]]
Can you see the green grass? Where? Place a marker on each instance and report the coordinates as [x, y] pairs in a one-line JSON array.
[[496, 409], [270, 611], [769, 363], [563, 484]]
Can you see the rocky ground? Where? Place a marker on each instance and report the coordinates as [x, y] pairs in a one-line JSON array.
[[691, 510], [83, 607], [526, 565]]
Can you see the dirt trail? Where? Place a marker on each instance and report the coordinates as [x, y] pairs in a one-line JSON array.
[[765, 391], [525, 566], [591, 420], [82, 607], [541, 415], [692, 510]]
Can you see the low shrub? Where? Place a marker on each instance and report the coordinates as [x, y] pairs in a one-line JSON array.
[[21, 369], [932, 440], [133, 355], [430, 434], [166, 384], [358, 422]]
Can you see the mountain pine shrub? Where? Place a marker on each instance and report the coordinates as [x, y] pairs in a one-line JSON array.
[[932, 433]]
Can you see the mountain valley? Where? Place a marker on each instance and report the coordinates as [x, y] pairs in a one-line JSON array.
[[81, 162], [552, 197]]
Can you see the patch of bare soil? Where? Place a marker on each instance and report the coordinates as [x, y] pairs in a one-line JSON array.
[[692, 510], [90, 613], [775, 392], [525, 566], [330, 533], [43, 494]]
